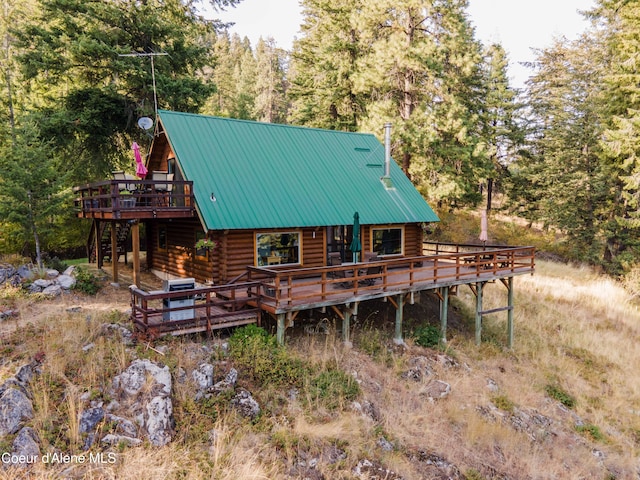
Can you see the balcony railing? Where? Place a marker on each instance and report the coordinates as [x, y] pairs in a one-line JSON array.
[[143, 199]]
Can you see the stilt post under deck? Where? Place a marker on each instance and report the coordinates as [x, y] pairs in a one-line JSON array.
[[399, 308], [135, 240], [97, 241], [280, 329], [346, 326], [479, 313], [444, 313], [347, 313], [114, 250], [510, 312]]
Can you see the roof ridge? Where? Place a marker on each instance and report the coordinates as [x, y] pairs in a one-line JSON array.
[[285, 125]]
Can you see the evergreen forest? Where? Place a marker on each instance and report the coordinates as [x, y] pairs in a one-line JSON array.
[[562, 152]]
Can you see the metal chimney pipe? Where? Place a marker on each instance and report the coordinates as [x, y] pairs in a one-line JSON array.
[[387, 150]]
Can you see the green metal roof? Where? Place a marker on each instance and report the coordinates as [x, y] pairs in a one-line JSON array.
[[250, 175]]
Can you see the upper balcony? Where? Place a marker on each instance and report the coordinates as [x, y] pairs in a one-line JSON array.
[[137, 199]]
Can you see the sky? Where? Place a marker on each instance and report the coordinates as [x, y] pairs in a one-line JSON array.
[[519, 25]]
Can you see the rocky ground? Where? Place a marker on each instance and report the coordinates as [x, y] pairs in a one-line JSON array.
[[455, 413]]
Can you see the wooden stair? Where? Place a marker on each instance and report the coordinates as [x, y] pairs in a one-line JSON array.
[[103, 231]]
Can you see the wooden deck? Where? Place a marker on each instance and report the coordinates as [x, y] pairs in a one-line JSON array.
[[202, 309], [284, 291], [149, 199]]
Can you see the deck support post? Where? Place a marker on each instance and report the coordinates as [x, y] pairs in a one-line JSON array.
[[510, 312], [399, 313], [97, 241], [479, 312], [280, 329], [114, 250], [444, 313], [135, 240], [347, 313]]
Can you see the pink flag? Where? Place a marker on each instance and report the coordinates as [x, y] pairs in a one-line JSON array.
[[141, 169]]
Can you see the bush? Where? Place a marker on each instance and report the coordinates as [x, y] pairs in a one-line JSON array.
[[260, 357], [55, 263], [557, 393], [427, 336], [86, 282], [591, 431], [332, 387]]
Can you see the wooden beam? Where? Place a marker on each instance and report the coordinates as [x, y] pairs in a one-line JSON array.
[[399, 312], [349, 311], [97, 240], [510, 313], [114, 250], [478, 291], [444, 312], [280, 329], [135, 240]]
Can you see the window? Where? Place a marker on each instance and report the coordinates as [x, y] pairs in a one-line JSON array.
[[387, 241], [162, 237], [277, 248]]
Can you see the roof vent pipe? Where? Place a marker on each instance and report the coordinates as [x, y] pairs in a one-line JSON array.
[[386, 179], [387, 150]]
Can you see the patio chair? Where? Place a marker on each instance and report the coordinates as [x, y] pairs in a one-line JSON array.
[[372, 270], [124, 186], [334, 259], [164, 189]]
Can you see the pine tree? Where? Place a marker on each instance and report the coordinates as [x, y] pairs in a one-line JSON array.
[[622, 135], [421, 69], [563, 182], [31, 199], [323, 64], [89, 96], [270, 86], [500, 118]]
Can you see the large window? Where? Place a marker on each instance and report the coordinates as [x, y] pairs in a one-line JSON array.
[[277, 248], [387, 241]]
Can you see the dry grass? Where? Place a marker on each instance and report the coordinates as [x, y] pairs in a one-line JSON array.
[[575, 330]]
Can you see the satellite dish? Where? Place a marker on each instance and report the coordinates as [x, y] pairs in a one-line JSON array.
[[145, 123]]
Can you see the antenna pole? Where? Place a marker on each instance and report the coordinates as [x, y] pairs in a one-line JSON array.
[[153, 74]]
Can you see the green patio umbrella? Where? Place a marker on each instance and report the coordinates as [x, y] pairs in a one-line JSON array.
[[356, 246]]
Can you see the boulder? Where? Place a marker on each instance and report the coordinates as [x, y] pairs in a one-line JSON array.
[[159, 420], [111, 439], [51, 273], [90, 418], [25, 272], [69, 270], [246, 405], [26, 443], [125, 333], [15, 409], [436, 390], [53, 291], [123, 425], [203, 376], [131, 381], [146, 388], [42, 283], [229, 382], [66, 282]]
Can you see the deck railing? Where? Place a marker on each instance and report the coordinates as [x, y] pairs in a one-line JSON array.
[[144, 198], [205, 308], [291, 288]]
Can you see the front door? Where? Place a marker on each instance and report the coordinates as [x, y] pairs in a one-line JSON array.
[[339, 239]]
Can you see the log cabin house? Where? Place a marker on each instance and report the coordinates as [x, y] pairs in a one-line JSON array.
[[276, 202]]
